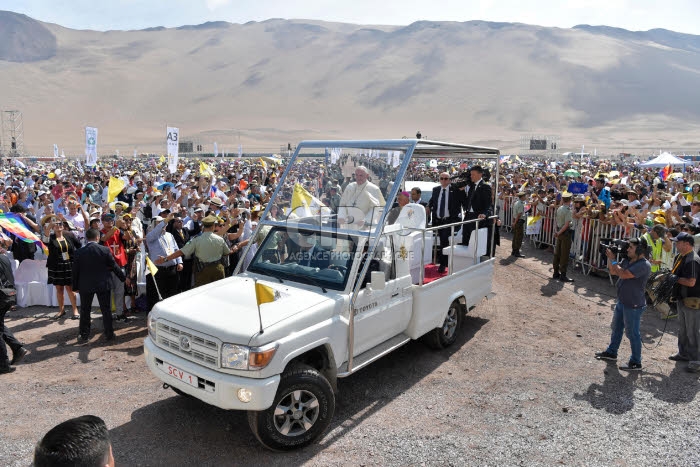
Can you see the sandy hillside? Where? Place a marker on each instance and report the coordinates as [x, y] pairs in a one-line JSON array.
[[281, 81]]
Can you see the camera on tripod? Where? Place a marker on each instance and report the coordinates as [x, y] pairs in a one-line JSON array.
[[617, 246]]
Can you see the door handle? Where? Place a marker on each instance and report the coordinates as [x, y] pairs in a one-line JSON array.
[[395, 295]]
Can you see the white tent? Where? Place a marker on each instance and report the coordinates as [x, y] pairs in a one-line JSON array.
[[665, 159]]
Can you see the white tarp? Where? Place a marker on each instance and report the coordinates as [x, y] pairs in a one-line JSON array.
[[665, 159]]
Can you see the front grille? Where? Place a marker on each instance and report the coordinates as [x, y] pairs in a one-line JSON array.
[[203, 349]]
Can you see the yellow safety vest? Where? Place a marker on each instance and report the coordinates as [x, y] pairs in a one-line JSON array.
[[656, 247]]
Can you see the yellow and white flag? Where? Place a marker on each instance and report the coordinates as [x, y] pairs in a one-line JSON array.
[[264, 293], [116, 185], [304, 204], [152, 268], [533, 220], [204, 169]]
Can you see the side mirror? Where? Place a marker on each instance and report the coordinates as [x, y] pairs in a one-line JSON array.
[[378, 281]]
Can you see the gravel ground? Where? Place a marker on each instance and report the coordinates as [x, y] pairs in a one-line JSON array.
[[520, 387]]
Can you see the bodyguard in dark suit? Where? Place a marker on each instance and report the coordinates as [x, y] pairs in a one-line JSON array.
[[479, 203], [445, 208], [93, 266]]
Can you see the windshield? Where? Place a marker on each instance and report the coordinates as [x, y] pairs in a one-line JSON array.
[[342, 187], [306, 256]]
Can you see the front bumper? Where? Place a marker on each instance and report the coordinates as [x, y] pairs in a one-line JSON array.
[[215, 388]]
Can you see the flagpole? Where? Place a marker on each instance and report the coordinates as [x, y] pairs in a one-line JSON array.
[[153, 277], [257, 302]]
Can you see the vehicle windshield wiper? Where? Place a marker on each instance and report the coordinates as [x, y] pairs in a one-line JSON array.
[[269, 272], [314, 282]]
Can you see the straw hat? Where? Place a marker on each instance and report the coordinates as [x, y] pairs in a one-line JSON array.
[[48, 218]]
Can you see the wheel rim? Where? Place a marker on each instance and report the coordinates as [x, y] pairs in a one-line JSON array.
[[296, 413], [449, 327]]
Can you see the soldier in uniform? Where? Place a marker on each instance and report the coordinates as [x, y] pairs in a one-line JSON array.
[[518, 225], [209, 248], [563, 234]]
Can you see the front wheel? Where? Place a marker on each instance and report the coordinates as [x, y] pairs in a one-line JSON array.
[[446, 335], [302, 410]]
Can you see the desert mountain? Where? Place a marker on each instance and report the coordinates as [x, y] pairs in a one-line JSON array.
[[279, 81]]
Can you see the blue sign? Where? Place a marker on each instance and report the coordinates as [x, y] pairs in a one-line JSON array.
[[578, 188]]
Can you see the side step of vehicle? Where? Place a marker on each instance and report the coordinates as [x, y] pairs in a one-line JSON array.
[[373, 354]]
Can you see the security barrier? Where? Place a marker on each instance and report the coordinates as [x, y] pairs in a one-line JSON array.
[[586, 237]]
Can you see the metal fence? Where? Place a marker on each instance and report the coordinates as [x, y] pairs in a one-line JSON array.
[[585, 240]]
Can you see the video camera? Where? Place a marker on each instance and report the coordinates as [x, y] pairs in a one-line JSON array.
[[615, 245]]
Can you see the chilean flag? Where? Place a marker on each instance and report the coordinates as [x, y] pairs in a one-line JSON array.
[[665, 172]]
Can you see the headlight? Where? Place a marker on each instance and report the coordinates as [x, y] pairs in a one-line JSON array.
[[234, 356], [152, 327], [241, 357]]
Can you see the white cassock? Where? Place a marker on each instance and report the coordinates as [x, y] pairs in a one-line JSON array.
[[366, 197]]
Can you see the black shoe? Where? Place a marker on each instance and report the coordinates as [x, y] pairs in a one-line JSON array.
[[605, 355], [693, 369], [83, 340], [441, 270], [18, 355], [110, 337], [517, 254], [563, 278], [9, 369], [676, 357], [556, 275], [632, 367]]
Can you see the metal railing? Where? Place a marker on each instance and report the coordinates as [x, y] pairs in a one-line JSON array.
[[585, 239]]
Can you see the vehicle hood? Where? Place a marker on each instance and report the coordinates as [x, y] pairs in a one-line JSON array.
[[227, 309]]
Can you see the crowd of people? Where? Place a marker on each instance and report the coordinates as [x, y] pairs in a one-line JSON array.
[[191, 227]]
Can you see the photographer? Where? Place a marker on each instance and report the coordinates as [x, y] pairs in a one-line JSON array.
[[687, 268], [634, 271]]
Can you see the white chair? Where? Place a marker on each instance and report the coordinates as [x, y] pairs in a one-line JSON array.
[[31, 279], [464, 256]]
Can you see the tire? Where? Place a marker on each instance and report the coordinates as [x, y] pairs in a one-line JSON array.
[[446, 335], [310, 392]]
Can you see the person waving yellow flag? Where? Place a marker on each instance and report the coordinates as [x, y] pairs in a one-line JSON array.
[[116, 185]]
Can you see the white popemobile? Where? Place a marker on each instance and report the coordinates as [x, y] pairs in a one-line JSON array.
[[310, 308]]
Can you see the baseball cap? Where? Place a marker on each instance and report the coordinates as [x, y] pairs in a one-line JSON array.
[[684, 237]]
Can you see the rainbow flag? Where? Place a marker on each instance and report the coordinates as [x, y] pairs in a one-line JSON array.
[[665, 172], [14, 224]]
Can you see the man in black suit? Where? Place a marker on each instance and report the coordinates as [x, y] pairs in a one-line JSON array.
[[445, 208], [92, 272], [478, 202]]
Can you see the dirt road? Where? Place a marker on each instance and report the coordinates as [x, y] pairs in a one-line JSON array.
[[521, 387]]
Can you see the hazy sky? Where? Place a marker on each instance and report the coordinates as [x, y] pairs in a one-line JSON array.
[[677, 15]]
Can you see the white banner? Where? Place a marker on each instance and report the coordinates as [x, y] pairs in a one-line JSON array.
[[172, 140], [135, 154], [216, 150], [55, 150], [240, 150], [90, 146]]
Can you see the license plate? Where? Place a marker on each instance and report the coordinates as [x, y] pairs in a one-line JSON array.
[[179, 374]]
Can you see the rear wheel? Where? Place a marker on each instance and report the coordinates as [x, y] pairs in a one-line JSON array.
[[446, 335], [302, 410]]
